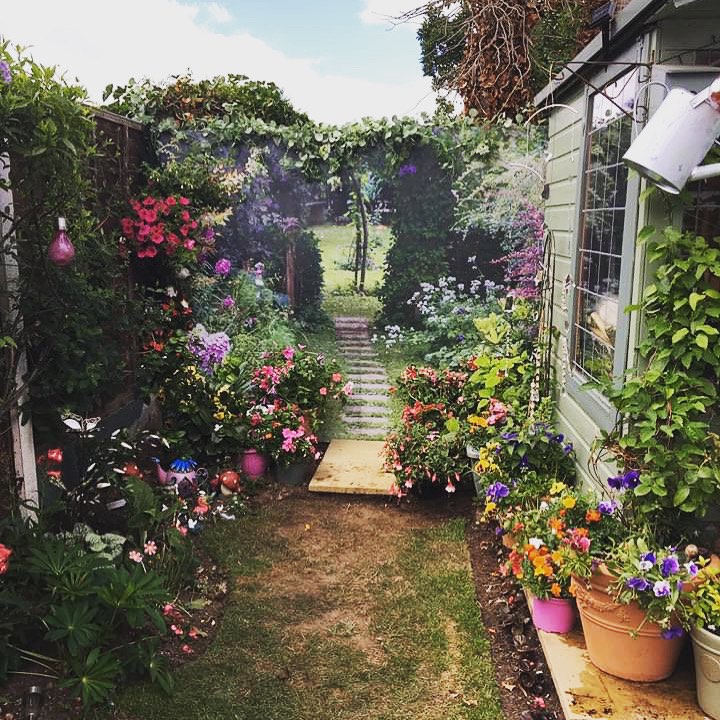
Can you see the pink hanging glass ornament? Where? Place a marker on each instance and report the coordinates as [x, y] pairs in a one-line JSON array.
[[61, 250]]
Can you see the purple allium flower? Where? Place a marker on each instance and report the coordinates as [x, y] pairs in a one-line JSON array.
[[228, 302], [407, 170], [672, 632], [496, 491], [661, 588], [5, 73], [223, 267], [670, 566], [638, 583]]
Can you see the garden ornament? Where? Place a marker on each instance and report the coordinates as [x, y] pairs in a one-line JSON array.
[[61, 250], [183, 474], [677, 138]]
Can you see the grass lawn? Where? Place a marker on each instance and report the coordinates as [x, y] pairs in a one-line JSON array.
[[342, 609], [336, 242]]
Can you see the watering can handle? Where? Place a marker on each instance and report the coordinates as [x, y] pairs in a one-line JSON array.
[[202, 474]]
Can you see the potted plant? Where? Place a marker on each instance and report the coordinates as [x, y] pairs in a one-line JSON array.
[[632, 605], [703, 614], [294, 449]]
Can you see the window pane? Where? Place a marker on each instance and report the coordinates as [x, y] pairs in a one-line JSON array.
[[601, 232]]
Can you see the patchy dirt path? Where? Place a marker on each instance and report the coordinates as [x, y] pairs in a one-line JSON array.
[[344, 608]]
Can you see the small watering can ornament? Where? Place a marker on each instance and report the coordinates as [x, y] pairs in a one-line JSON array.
[[183, 474]]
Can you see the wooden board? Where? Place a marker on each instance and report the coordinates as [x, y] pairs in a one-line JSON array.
[[352, 467]]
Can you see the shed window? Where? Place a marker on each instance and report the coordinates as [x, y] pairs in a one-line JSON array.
[[602, 227]]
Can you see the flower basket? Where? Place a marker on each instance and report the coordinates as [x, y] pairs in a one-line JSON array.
[[619, 640]]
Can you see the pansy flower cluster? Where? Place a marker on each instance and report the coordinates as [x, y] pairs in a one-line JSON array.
[[657, 578]]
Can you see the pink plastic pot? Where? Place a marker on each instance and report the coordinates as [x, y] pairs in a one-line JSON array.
[[253, 464], [555, 615]]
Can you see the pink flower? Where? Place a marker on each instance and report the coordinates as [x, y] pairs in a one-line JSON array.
[[187, 649], [184, 201], [5, 553], [181, 529], [151, 548], [193, 633], [228, 302], [336, 377], [223, 267], [136, 556], [348, 388], [288, 353], [178, 631], [450, 487], [323, 391], [168, 609]]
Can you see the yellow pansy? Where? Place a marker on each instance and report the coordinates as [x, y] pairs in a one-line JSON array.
[[489, 507], [478, 420], [557, 487], [569, 501]]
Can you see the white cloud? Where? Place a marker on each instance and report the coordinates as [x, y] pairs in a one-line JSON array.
[[386, 12], [219, 13], [160, 38]]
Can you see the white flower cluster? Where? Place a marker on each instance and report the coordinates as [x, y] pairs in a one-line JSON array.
[[393, 335]]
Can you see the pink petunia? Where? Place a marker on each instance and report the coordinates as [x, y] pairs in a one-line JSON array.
[[288, 353], [323, 391]]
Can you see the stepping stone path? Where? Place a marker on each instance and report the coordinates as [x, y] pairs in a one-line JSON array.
[[354, 465], [367, 414]]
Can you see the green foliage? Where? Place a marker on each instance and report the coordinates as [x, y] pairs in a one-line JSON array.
[[666, 405], [48, 133], [184, 99], [93, 614], [442, 44], [555, 40]]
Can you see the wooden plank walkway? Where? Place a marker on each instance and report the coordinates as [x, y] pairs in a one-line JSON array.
[[352, 467]]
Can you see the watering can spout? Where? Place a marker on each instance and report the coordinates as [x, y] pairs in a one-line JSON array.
[[162, 474]]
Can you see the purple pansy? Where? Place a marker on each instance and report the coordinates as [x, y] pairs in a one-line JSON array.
[[670, 566], [607, 507], [638, 583], [497, 490], [673, 632], [661, 588]]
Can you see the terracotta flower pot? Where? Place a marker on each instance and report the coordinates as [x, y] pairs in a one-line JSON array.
[[554, 615], [614, 642], [253, 464], [706, 649]]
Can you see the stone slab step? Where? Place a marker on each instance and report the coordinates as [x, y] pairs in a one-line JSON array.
[[352, 467], [368, 397], [362, 420], [587, 693], [364, 388], [358, 377], [367, 410]]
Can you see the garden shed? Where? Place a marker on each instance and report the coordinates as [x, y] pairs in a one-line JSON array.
[[595, 209]]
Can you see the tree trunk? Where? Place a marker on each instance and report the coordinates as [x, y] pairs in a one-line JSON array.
[[365, 233]]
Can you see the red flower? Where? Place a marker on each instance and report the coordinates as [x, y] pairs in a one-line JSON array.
[[55, 454], [184, 201], [171, 201], [5, 553]]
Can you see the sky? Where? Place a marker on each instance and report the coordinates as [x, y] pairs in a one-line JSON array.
[[337, 60]]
